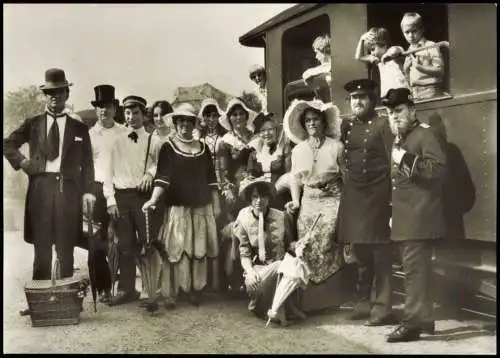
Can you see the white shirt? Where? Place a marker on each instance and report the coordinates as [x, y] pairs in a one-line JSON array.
[[54, 166], [126, 164], [391, 76], [102, 140]]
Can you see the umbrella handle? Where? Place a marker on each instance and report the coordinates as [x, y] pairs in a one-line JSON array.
[[146, 215]]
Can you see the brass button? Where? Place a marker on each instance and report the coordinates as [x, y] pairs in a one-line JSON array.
[[367, 131], [365, 140], [394, 188], [369, 122], [364, 170], [346, 142]]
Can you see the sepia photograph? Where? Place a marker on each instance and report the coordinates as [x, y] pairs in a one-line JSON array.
[[250, 178]]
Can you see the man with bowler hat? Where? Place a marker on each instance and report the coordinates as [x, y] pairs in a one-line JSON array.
[[127, 186], [418, 175], [61, 175], [365, 203], [103, 136]]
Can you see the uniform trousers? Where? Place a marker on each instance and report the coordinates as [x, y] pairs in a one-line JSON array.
[[417, 260], [374, 270], [54, 214]]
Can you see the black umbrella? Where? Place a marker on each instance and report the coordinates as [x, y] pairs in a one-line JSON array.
[[92, 262]]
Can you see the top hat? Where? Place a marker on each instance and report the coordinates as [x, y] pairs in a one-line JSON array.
[[363, 85], [55, 78], [131, 101], [104, 94], [397, 96]]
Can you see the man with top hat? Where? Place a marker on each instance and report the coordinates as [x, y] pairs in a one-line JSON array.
[[418, 174], [365, 203], [61, 174], [126, 187], [257, 74], [103, 136]]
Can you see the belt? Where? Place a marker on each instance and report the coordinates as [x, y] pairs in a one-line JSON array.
[[127, 190]]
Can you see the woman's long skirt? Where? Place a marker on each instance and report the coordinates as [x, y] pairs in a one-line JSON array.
[[323, 254], [189, 236]]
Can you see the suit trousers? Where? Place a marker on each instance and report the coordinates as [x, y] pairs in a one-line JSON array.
[[374, 271], [54, 207], [131, 231], [417, 263]]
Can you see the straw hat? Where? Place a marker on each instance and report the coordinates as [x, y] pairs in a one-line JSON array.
[[293, 128], [224, 120], [247, 185], [209, 102], [183, 110]]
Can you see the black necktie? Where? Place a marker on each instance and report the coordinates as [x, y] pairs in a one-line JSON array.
[[53, 141], [133, 136]]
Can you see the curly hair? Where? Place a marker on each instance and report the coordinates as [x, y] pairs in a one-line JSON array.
[[322, 115], [381, 37]]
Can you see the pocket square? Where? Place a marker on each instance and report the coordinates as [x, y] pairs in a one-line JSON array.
[[78, 139]]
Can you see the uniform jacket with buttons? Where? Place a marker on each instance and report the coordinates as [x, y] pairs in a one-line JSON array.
[[364, 210], [418, 183], [367, 145]]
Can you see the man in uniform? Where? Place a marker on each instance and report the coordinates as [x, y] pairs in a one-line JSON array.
[[418, 175], [61, 175], [126, 188], [365, 204], [103, 136]]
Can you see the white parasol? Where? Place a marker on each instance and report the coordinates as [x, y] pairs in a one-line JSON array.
[[294, 274]]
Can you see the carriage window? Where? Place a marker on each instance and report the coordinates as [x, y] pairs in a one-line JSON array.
[[425, 86], [299, 56]]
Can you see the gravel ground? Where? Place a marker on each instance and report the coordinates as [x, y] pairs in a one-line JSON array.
[[218, 326]]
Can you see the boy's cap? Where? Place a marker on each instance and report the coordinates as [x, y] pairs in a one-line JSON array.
[[362, 85], [130, 101], [397, 96]]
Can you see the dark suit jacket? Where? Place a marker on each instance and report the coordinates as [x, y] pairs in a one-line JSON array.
[[76, 157], [418, 183]]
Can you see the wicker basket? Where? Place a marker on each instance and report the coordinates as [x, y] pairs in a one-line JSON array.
[[55, 302]]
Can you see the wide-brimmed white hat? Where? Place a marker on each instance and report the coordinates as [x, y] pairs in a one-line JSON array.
[[249, 183], [209, 102], [294, 129], [224, 120], [183, 110]]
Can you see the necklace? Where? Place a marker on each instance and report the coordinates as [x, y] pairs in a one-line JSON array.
[[315, 143], [184, 140]]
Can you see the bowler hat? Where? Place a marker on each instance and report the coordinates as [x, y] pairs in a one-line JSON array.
[[104, 94], [55, 78], [131, 101], [363, 85], [397, 96]]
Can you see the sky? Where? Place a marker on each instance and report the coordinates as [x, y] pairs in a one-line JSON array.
[[142, 49]]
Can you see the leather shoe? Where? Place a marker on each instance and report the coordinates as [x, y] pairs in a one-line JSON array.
[[382, 321], [124, 297], [404, 334], [428, 327]]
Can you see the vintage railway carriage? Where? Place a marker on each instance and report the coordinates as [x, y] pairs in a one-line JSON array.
[[464, 262]]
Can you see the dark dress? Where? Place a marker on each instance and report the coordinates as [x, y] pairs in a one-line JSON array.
[[188, 232]]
